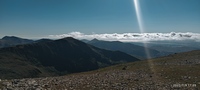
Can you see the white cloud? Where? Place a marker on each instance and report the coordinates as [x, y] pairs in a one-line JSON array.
[[132, 37]]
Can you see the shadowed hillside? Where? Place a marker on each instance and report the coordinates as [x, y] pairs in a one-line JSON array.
[[8, 41], [56, 57], [173, 72], [131, 49]]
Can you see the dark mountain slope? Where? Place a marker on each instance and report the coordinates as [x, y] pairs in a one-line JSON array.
[[43, 40], [8, 41], [134, 50], [61, 56], [174, 72]]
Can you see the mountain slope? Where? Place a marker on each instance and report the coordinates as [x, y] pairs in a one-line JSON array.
[[8, 41], [134, 50], [174, 72], [61, 56]]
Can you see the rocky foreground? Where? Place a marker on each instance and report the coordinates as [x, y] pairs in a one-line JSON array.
[[174, 72], [98, 80], [108, 80]]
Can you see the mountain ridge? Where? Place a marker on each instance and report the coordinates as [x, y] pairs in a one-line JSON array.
[[8, 41], [61, 56], [131, 49]]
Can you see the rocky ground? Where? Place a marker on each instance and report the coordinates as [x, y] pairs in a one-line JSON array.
[[98, 80], [115, 80], [168, 73]]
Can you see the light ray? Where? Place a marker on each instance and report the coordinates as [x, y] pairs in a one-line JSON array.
[[139, 19], [138, 14], [141, 27]]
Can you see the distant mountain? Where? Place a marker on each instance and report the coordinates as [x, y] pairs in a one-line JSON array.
[[56, 57], [173, 46], [134, 50], [174, 49], [85, 40], [8, 41], [43, 40]]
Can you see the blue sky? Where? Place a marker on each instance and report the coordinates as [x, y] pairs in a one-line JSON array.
[[37, 18]]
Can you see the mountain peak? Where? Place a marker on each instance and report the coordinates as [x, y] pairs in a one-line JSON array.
[[68, 38], [95, 40], [10, 37], [8, 41]]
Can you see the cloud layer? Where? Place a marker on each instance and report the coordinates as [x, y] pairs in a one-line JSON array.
[[132, 37]]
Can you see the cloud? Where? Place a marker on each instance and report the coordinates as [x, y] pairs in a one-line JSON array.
[[132, 37]]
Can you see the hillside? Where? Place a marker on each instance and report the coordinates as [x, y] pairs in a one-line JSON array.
[[131, 49], [173, 72], [8, 41], [56, 57]]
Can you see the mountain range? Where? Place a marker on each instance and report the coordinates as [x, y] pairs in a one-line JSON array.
[[56, 57], [131, 49], [172, 46], [21, 58]]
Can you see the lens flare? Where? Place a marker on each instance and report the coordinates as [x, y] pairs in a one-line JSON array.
[[141, 27], [138, 14], [139, 19]]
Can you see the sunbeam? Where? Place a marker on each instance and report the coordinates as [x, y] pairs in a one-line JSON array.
[[141, 27], [139, 18], [138, 14]]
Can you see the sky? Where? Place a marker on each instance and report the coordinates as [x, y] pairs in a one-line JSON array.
[[40, 18]]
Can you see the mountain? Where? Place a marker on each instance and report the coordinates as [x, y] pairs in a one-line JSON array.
[[85, 40], [174, 72], [131, 49], [173, 46], [8, 41], [173, 49], [56, 57], [43, 40]]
